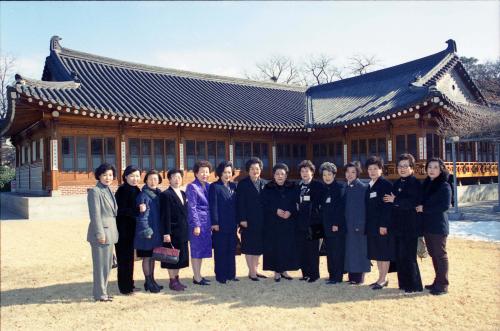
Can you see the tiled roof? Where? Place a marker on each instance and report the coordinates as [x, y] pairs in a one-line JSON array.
[[112, 87], [379, 93], [100, 86]]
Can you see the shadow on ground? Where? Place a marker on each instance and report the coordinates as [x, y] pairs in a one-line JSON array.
[[285, 294]]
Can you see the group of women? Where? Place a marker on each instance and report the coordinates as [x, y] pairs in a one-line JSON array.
[[281, 220]]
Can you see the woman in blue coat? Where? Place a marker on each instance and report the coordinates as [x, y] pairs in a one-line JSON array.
[[148, 234], [356, 252], [436, 202], [381, 241], [200, 235], [250, 214], [222, 201]]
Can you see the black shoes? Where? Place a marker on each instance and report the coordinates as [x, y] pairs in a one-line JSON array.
[[202, 282], [429, 287], [261, 276], [150, 286], [435, 291], [277, 280], [312, 280], [105, 299], [304, 278], [283, 275], [235, 279], [332, 282], [256, 279], [378, 286]]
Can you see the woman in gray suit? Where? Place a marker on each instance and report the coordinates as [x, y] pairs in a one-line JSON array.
[[102, 233]]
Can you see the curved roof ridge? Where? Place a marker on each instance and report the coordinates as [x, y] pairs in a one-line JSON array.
[[162, 70], [71, 84], [443, 55]]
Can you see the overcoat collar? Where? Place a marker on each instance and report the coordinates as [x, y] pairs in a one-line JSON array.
[[108, 196], [177, 200]]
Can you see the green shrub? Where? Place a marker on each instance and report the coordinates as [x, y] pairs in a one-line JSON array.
[[6, 176]]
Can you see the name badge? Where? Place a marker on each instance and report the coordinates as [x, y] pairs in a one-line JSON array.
[[373, 195], [328, 200], [307, 198]]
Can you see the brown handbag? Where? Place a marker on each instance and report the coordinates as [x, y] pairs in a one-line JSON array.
[[166, 254]]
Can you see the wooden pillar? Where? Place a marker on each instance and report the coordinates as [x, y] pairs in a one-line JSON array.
[[444, 149], [309, 154], [231, 146], [346, 146], [390, 135], [273, 151], [421, 138], [54, 160], [180, 149], [476, 151], [123, 154]]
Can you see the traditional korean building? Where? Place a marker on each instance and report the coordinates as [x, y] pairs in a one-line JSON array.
[[88, 109]]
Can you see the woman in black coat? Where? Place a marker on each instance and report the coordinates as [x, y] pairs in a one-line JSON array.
[[309, 198], [436, 201], [174, 225], [405, 197], [125, 221], [334, 224], [380, 239], [250, 214], [279, 199]]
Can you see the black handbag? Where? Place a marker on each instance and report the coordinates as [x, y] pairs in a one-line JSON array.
[[166, 254], [315, 231]]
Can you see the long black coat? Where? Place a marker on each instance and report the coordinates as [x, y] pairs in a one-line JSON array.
[[436, 201], [280, 247], [332, 208], [126, 196], [250, 209], [309, 212], [378, 213], [405, 221], [173, 220]]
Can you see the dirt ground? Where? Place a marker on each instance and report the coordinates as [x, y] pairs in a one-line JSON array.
[[46, 275]]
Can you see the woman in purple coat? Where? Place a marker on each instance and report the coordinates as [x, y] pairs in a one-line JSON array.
[[200, 235]]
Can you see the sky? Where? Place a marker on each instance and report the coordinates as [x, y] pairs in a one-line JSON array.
[[229, 38]]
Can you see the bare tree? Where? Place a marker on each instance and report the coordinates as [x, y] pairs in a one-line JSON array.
[[278, 69], [471, 120], [486, 75], [7, 63], [320, 70], [316, 69], [360, 64]]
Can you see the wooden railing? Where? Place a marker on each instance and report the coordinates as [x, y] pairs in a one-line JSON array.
[[464, 169], [474, 169]]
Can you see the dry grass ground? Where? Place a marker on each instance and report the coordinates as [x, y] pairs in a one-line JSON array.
[[46, 284]]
